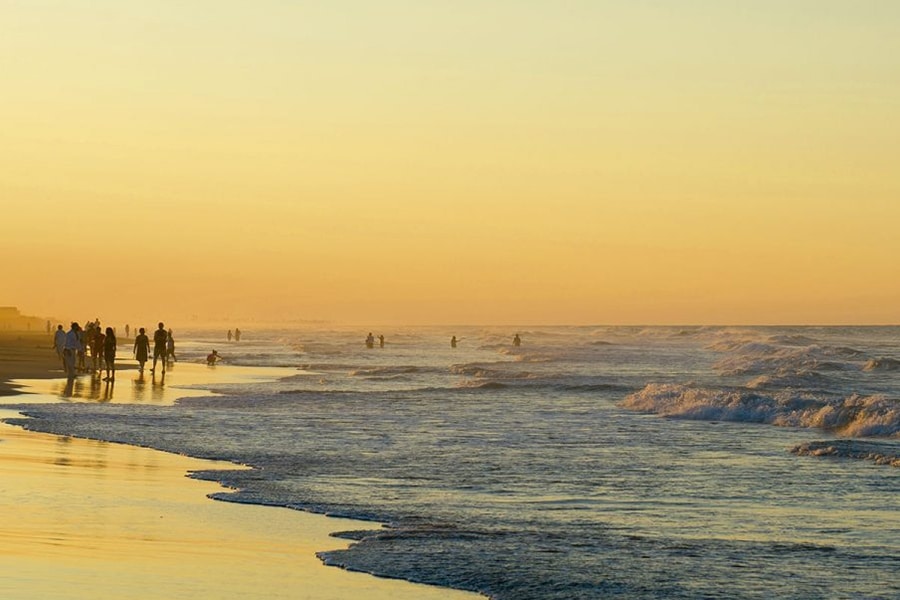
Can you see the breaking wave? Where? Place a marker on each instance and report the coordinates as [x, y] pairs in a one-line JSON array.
[[852, 416]]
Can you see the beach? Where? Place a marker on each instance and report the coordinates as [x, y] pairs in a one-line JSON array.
[[641, 463], [26, 355], [92, 519]]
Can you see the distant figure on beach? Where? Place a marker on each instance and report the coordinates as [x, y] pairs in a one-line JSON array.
[[59, 344], [170, 347], [229, 335], [72, 349], [48, 325], [370, 340], [213, 357], [453, 342], [127, 330], [141, 348], [381, 341], [109, 354], [517, 341], [237, 334], [159, 346]]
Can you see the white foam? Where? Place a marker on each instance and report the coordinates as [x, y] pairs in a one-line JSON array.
[[854, 416]]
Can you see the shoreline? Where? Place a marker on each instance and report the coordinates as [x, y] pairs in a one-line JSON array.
[[110, 519]]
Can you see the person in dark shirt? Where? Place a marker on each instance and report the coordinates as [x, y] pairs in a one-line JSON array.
[[160, 336], [109, 353]]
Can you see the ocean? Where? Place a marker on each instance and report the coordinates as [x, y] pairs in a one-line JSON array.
[[588, 463]]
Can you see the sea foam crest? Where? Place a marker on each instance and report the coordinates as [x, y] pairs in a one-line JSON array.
[[853, 416], [882, 364], [880, 454]]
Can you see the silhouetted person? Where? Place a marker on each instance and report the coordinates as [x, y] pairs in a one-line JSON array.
[[237, 334], [381, 341], [59, 344], [229, 335], [141, 348], [517, 341], [170, 346], [96, 343], [72, 348], [127, 330], [370, 340], [109, 353], [453, 342], [212, 358], [48, 326], [159, 346]]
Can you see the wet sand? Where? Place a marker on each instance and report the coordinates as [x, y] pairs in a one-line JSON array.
[[26, 354], [90, 519]]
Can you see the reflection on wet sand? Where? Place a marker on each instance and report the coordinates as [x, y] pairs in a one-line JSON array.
[[84, 388], [136, 387]]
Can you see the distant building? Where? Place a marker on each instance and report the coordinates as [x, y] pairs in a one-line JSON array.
[[12, 320]]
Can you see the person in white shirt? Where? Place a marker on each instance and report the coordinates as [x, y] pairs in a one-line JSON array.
[[59, 344], [71, 349]]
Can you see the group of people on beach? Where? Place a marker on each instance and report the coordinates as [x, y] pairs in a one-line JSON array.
[[74, 346]]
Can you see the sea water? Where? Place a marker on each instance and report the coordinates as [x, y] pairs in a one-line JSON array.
[[590, 462]]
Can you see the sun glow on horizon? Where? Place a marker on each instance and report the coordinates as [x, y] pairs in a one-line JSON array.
[[593, 162]]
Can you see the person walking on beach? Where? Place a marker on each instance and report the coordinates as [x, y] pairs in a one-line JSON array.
[[141, 348], [229, 335], [370, 340], [237, 334], [109, 354], [59, 344], [381, 341], [72, 348], [170, 347], [159, 346], [517, 341], [453, 342], [127, 330]]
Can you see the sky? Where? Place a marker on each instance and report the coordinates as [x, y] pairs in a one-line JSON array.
[[451, 162]]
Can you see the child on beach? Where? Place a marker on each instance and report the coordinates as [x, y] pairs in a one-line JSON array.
[[170, 347]]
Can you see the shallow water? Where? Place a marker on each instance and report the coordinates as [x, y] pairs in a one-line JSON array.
[[588, 463]]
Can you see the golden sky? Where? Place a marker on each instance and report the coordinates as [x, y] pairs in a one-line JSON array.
[[501, 162]]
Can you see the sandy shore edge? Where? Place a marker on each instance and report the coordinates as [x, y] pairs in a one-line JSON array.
[[92, 519]]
